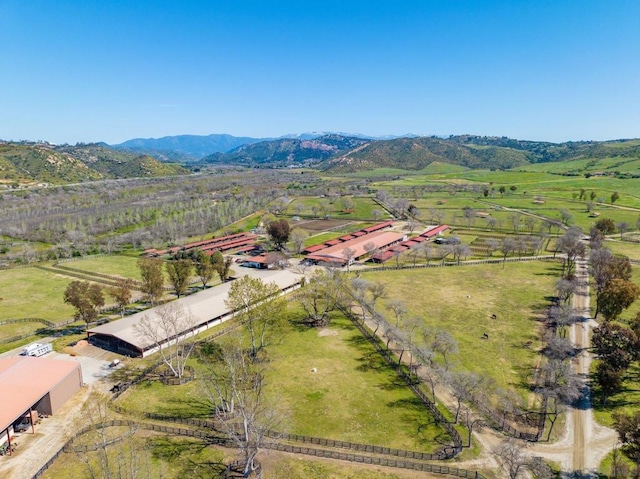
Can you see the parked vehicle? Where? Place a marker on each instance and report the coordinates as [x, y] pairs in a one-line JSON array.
[[37, 350]]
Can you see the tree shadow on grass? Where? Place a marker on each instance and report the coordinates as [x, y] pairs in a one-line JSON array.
[[393, 384], [188, 408], [179, 451], [414, 413]]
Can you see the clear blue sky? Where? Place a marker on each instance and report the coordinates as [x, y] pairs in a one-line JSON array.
[[113, 70]]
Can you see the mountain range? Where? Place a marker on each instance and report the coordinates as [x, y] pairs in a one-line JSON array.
[[333, 153], [189, 148]]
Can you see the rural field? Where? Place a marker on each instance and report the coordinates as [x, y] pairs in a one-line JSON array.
[[462, 300], [330, 382], [353, 394]]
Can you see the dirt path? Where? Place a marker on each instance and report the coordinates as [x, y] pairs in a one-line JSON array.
[[585, 442]]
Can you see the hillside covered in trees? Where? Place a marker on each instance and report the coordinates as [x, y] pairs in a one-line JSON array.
[[42, 162]]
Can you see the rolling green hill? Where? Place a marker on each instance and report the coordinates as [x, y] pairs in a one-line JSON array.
[[42, 162], [418, 153], [496, 153]]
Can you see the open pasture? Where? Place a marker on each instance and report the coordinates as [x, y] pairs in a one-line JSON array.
[[354, 396], [462, 300], [632, 250], [33, 293], [360, 207], [432, 170], [115, 265], [319, 226], [552, 208]]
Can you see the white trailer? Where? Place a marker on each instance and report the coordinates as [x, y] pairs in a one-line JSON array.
[[37, 349]]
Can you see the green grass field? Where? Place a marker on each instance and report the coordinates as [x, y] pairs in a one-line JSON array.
[[116, 265], [632, 250], [462, 299], [154, 456], [353, 396], [362, 207], [33, 293]]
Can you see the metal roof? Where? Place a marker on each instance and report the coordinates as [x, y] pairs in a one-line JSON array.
[[203, 306], [24, 380]]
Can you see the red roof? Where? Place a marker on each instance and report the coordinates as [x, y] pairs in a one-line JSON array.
[[346, 237], [358, 234], [379, 239], [377, 227], [382, 256], [430, 233], [260, 259], [332, 242], [226, 245], [314, 248], [327, 258], [410, 243]]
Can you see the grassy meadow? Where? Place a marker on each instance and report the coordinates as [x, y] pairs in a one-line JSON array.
[[354, 396], [462, 301], [33, 293], [115, 265], [362, 207]]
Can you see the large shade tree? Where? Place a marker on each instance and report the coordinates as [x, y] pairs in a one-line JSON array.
[[259, 306], [279, 231], [86, 298]]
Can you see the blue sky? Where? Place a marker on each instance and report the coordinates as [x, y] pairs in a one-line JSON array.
[[114, 70]]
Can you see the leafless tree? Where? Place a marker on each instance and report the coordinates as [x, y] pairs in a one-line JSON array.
[[491, 245], [259, 306], [623, 227], [348, 254], [459, 251], [510, 454], [465, 386], [565, 289], [235, 385], [169, 328], [573, 247], [298, 237], [399, 309], [105, 452]]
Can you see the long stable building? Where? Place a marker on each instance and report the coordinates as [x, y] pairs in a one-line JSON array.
[[429, 233], [29, 384], [210, 246], [355, 248], [207, 308]]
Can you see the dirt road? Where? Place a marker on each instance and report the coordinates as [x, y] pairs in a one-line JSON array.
[[585, 442]]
